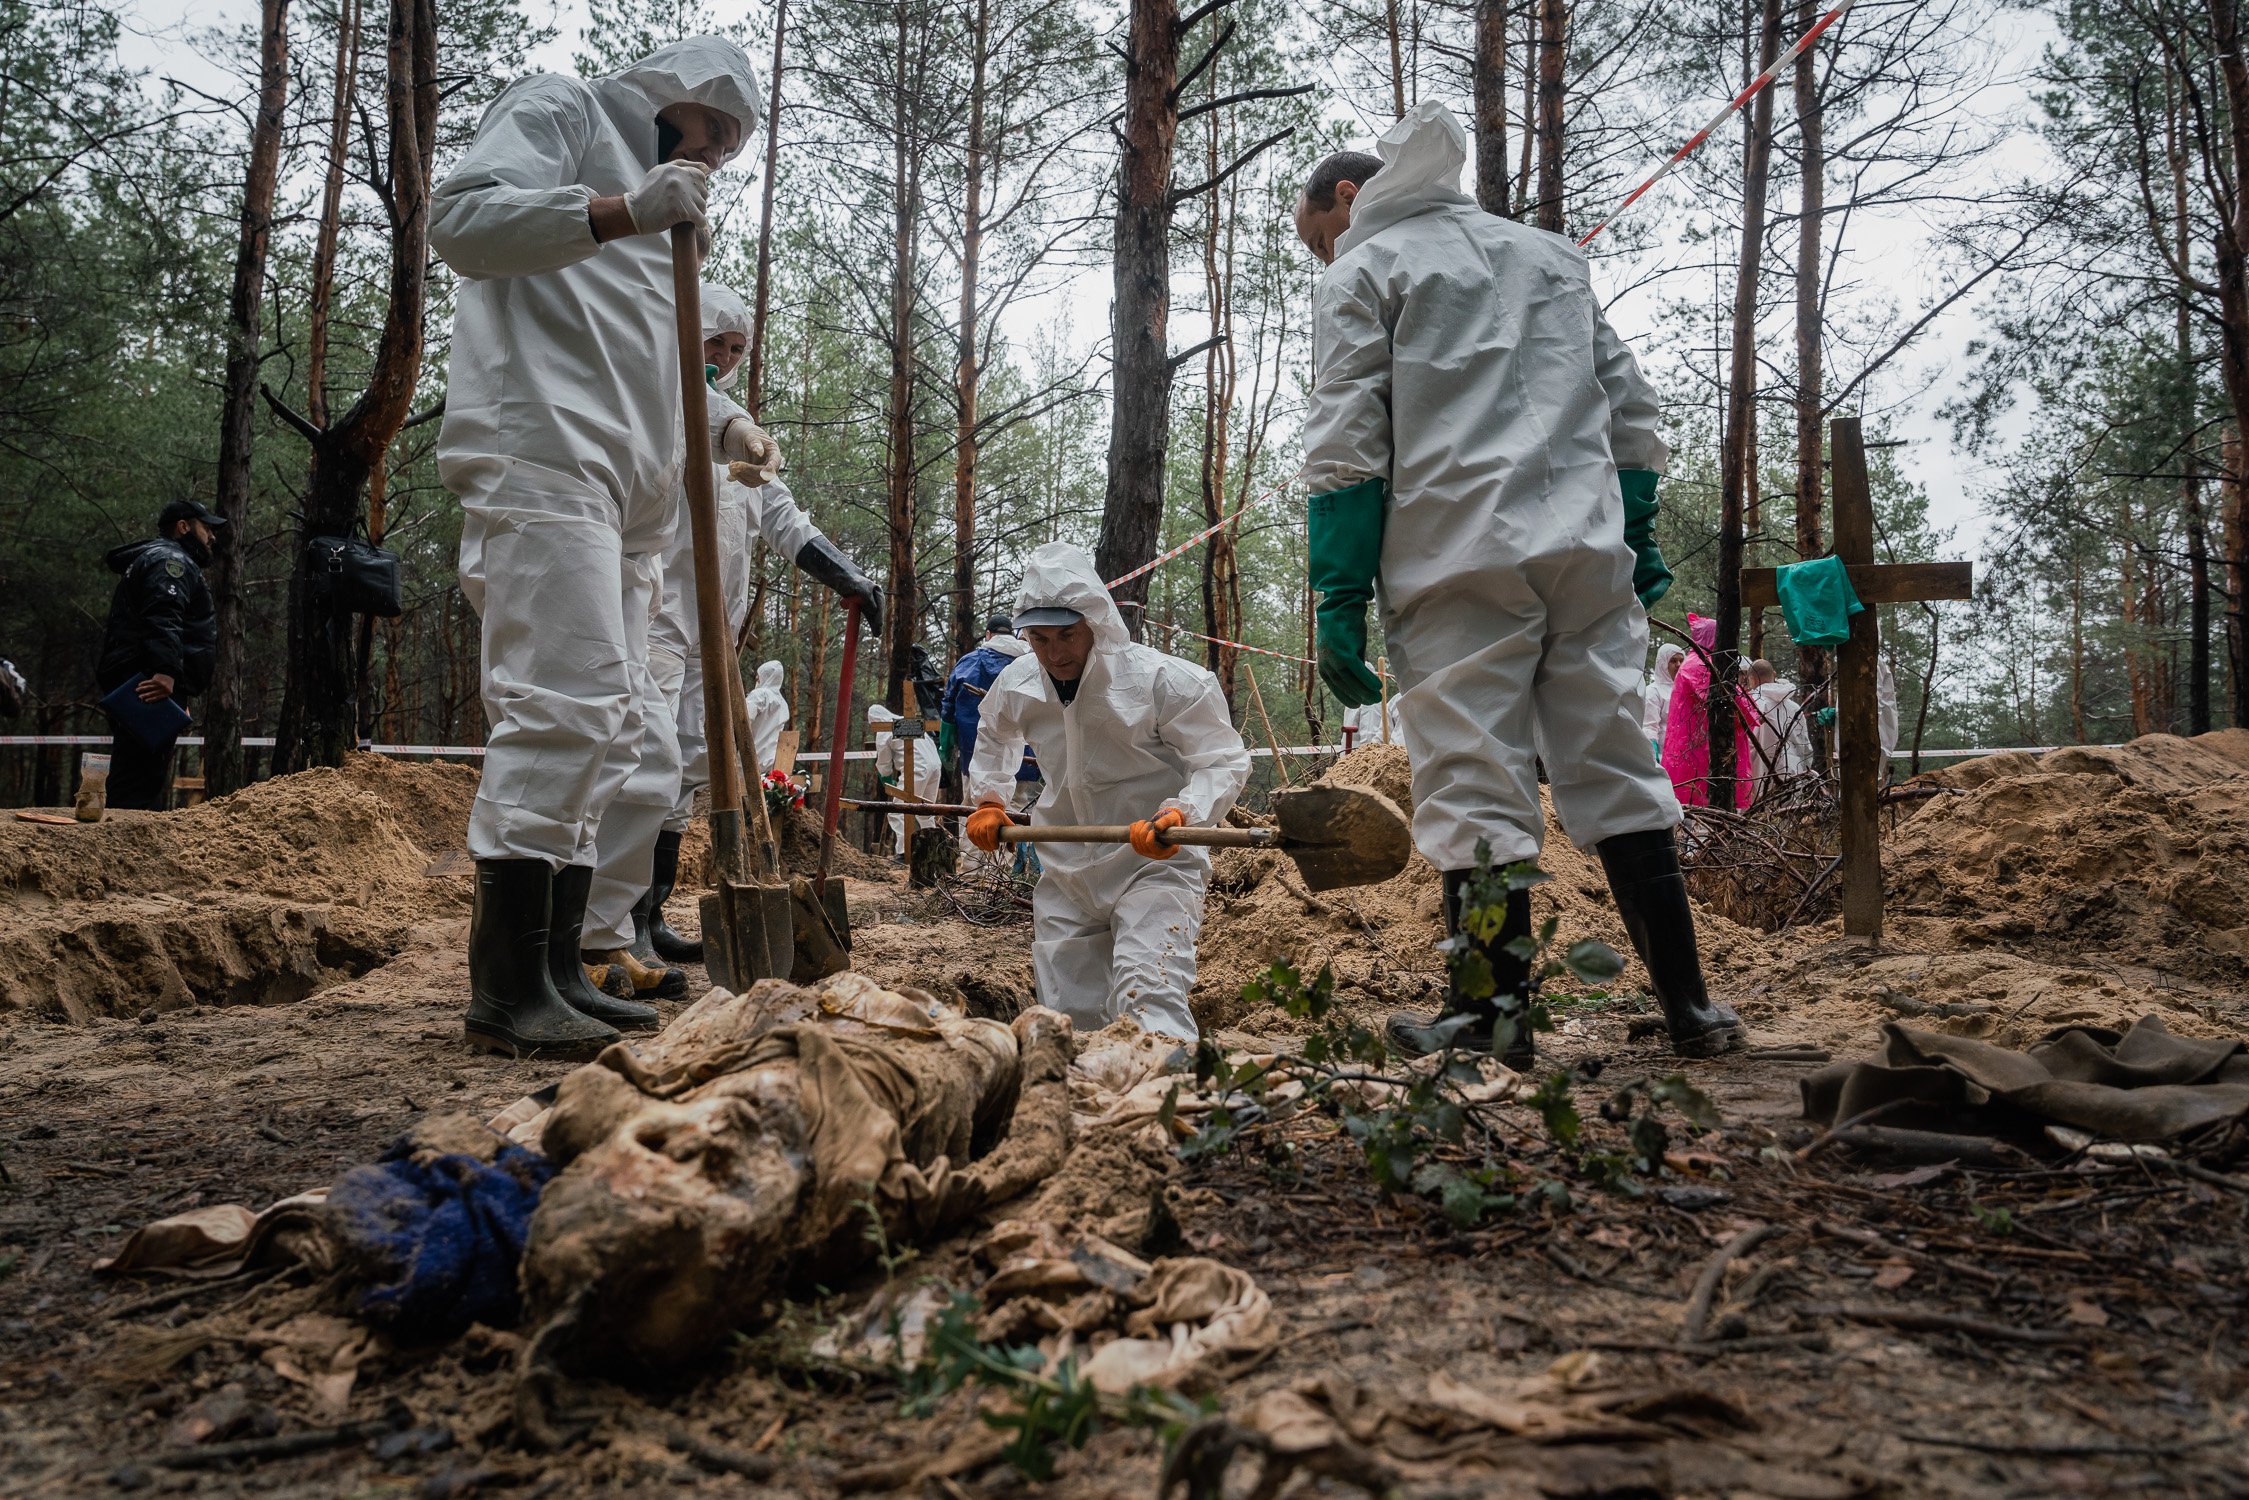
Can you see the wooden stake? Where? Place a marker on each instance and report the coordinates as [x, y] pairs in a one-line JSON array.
[[1280, 765], [1856, 714]]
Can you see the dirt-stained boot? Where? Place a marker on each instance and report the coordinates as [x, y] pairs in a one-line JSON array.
[[639, 981], [1651, 897], [572, 884], [513, 1005], [643, 945], [1410, 1033], [669, 945]]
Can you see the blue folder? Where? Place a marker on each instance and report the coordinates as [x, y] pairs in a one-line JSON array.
[[155, 725]]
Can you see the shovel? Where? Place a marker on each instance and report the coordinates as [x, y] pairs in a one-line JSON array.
[[748, 933], [823, 895], [1337, 835]]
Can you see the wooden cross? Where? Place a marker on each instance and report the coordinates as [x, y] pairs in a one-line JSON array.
[[1857, 717]]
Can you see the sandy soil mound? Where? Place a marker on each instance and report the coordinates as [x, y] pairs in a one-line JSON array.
[[1380, 938], [2139, 855], [264, 896]]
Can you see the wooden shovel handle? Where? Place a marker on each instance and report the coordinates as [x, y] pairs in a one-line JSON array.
[[1119, 833]]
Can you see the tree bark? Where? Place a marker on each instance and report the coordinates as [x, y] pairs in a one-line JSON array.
[[1397, 62], [1553, 26], [1811, 661], [1739, 439], [1221, 580], [966, 631], [1490, 69], [2231, 267], [2235, 521], [753, 382], [903, 603], [1140, 308], [317, 716], [222, 742]]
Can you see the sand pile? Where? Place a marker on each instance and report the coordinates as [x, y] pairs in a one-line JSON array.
[[264, 896], [1380, 938], [2138, 855]]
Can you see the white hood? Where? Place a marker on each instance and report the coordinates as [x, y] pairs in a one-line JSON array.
[[723, 312], [769, 676], [1422, 156], [880, 714], [1009, 645], [1062, 576], [707, 70], [1665, 656]]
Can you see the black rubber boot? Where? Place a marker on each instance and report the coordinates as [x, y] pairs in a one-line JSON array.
[[1408, 1032], [1651, 897], [669, 945], [572, 883], [643, 946], [513, 1005]]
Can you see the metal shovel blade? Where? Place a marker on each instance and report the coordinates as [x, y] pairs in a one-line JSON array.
[[822, 948], [749, 933], [1342, 835]]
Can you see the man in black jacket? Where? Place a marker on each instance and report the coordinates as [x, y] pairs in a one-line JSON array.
[[163, 632]]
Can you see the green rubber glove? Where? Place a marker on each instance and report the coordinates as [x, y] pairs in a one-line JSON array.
[[1826, 717], [948, 743], [1345, 533], [1651, 579]]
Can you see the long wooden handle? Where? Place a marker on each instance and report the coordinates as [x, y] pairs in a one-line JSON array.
[[838, 731], [1120, 833], [702, 521]]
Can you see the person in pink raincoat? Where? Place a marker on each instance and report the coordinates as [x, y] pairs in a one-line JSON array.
[[1686, 734]]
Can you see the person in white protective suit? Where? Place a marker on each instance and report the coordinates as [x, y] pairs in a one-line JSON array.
[[675, 654], [1783, 739], [1363, 725], [1885, 709], [1482, 452], [1656, 703], [562, 439], [890, 768], [1125, 734], [768, 712]]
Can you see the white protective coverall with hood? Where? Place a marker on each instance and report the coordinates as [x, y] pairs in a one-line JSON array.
[[675, 640], [1784, 742], [890, 765], [768, 713], [562, 438], [1656, 711], [1113, 932], [1463, 358]]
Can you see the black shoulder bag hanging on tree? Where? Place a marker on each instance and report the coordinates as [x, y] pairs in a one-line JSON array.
[[355, 577]]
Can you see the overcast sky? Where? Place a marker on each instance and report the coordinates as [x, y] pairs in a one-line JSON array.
[[1891, 251]]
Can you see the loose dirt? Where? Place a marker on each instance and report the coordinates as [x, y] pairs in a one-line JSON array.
[[139, 1085]]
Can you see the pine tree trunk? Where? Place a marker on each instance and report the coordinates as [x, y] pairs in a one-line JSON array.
[[903, 604], [2231, 271], [1739, 439], [753, 382], [1811, 661], [1490, 69], [1222, 586], [222, 712], [2235, 533], [966, 626], [317, 711], [1140, 307], [1397, 62], [1553, 26]]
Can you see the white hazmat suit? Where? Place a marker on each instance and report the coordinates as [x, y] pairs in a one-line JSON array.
[[1113, 932], [890, 765], [1656, 709], [562, 437], [1463, 359], [768, 714], [1784, 742], [1366, 725], [675, 640]]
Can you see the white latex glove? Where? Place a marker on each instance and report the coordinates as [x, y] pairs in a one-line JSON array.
[[673, 192], [746, 444]]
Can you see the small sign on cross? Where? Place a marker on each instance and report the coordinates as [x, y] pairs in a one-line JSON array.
[[1858, 724]]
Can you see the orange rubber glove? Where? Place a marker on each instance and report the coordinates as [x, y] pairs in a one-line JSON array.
[[984, 826], [1144, 833]]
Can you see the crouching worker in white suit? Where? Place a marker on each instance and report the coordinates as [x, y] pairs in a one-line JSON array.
[[562, 439], [1481, 448], [1125, 734]]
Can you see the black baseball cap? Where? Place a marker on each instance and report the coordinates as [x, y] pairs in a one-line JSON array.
[[187, 510], [1049, 614], [999, 625]]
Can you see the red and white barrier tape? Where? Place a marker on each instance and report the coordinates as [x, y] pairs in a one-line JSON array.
[[1219, 640], [1194, 541], [1696, 140]]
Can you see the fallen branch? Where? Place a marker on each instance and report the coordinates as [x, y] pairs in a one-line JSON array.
[[2069, 1450], [718, 1457], [1763, 1343], [1713, 1273], [1932, 1146], [1923, 1320], [287, 1445]]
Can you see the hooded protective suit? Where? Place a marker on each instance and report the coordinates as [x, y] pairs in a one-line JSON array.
[[1462, 360], [1366, 726], [1113, 932], [1784, 743], [768, 712], [562, 432], [1657, 702], [890, 765]]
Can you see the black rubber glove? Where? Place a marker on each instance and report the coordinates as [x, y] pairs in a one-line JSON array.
[[823, 561]]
